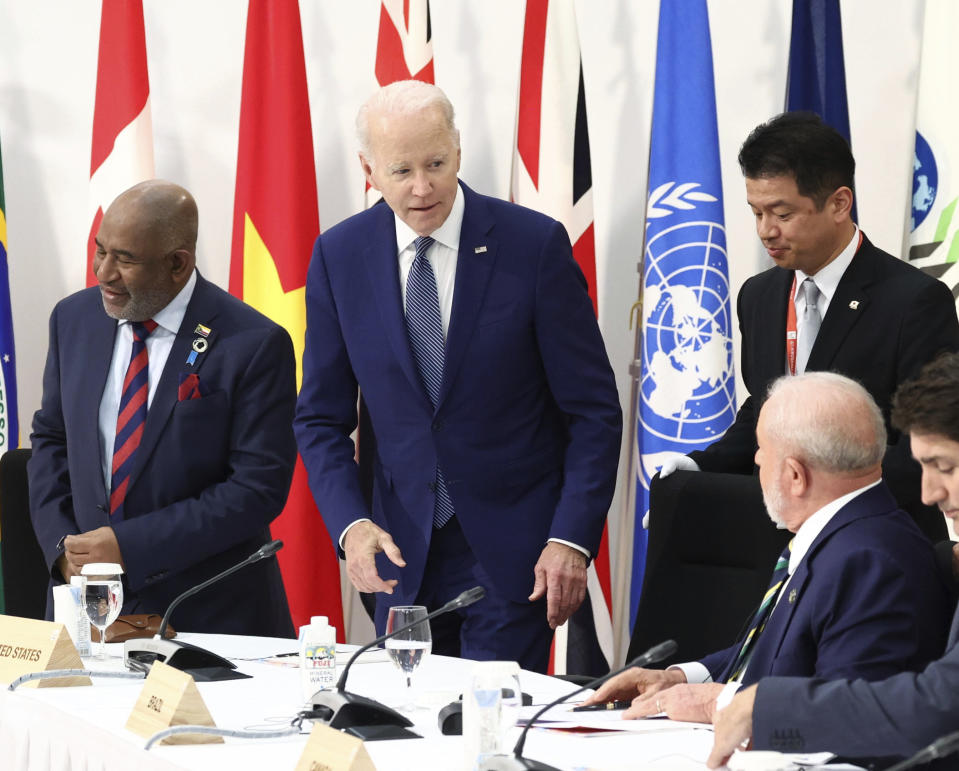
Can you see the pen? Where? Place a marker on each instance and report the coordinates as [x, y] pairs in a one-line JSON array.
[[601, 707]]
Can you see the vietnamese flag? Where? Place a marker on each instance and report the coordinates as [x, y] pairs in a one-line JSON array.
[[275, 221]]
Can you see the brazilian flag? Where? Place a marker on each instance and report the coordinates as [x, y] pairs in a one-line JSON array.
[[9, 428]]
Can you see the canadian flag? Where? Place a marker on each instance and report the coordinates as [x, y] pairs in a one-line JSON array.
[[552, 174], [122, 147]]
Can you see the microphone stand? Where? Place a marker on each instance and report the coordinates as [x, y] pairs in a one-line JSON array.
[[139, 654], [341, 709], [940, 748], [516, 761]]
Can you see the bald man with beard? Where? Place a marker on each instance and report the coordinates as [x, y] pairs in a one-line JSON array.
[[164, 437]]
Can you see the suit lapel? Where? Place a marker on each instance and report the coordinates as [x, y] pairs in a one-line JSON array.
[[847, 306], [199, 311], [97, 354], [380, 259], [474, 266]]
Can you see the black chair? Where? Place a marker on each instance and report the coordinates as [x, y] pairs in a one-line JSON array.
[[712, 549], [25, 575]]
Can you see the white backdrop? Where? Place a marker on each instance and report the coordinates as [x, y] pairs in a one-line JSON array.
[[48, 55]]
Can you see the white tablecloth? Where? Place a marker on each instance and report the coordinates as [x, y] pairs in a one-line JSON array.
[[82, 728]]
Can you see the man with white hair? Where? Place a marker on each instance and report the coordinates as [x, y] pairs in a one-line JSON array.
[[466, 323], [855, 594]]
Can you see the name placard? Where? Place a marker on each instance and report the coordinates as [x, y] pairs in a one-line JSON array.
[[28, 645], [330, 750], [169, 698]]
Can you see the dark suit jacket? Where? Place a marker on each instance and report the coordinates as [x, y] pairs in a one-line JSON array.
[[897, 716], [901, 320], [527, 428], [211, 473], [867, 601]]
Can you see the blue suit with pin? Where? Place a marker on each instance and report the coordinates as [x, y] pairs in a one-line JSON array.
[[212, 470], [527, 424]]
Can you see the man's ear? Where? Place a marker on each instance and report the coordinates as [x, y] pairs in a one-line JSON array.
[[367, 167], [797, 477], [841, 203], [181, 264]]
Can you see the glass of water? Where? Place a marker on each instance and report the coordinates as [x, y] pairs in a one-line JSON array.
[[103, 598], [409, 648]]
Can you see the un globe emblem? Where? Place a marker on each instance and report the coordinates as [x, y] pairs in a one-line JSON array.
[[687, 388]]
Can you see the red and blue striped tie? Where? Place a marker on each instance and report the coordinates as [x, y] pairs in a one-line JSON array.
[[131, 416]]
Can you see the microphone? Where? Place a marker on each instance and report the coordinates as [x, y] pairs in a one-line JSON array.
[[139, 655], [341, 709], [940, 748], [516, 761]]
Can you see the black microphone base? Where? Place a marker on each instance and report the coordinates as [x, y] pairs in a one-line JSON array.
[[345, 710], [513, 763], [140, 655]]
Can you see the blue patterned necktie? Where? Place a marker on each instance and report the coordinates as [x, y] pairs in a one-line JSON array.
[[424, 327], [761, 616]]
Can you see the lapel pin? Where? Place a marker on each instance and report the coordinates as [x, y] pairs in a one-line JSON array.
[[479, 250], [199, 346], [854, 304], [202, 330], [793, 594]]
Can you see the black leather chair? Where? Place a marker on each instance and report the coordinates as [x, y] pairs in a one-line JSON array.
[[712, 549], [25, 575]]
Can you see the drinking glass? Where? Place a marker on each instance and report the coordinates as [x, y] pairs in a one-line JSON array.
[[409, 648], [103, 598]]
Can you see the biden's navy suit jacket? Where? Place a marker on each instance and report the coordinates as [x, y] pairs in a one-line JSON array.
[[527, 427]]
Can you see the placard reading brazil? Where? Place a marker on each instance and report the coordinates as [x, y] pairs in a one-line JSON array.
[[688, 386]]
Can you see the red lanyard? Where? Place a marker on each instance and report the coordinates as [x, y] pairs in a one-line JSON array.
[[791, 322]]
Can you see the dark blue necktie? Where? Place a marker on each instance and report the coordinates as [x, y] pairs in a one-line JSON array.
[[424, 327]]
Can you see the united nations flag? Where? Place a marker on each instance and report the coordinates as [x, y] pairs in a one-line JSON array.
[[687, 390]]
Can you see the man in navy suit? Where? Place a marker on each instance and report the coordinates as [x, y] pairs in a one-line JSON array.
[[861, 595], [879, 319], [900, 715], [465, 322], [170, 454]]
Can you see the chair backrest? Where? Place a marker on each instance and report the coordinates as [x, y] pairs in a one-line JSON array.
[[712, 549], [25, 575]]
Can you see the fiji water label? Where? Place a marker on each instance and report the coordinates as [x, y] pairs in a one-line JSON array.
[[320, 662]]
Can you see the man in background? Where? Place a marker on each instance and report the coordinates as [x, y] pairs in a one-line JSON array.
[[832, 301], [164, 437]]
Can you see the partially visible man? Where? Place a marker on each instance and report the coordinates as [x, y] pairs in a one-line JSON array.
[[900, 715], [833, 301], [466, 323], [164, 438], [857, 592]]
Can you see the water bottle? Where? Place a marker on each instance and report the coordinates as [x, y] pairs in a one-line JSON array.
[[490, 709], [317, 656]]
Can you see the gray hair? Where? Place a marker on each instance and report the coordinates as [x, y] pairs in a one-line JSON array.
[[826, 420], [403, 98]]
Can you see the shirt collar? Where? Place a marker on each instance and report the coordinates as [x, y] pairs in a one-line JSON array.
[[828, 278], [812, 527], [171, 316], [447, 234]]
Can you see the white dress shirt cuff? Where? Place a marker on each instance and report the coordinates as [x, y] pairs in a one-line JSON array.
[[580, 549], [694, 671], [347, 529]]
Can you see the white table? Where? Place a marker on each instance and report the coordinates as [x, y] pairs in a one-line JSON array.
[[82, 728]]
